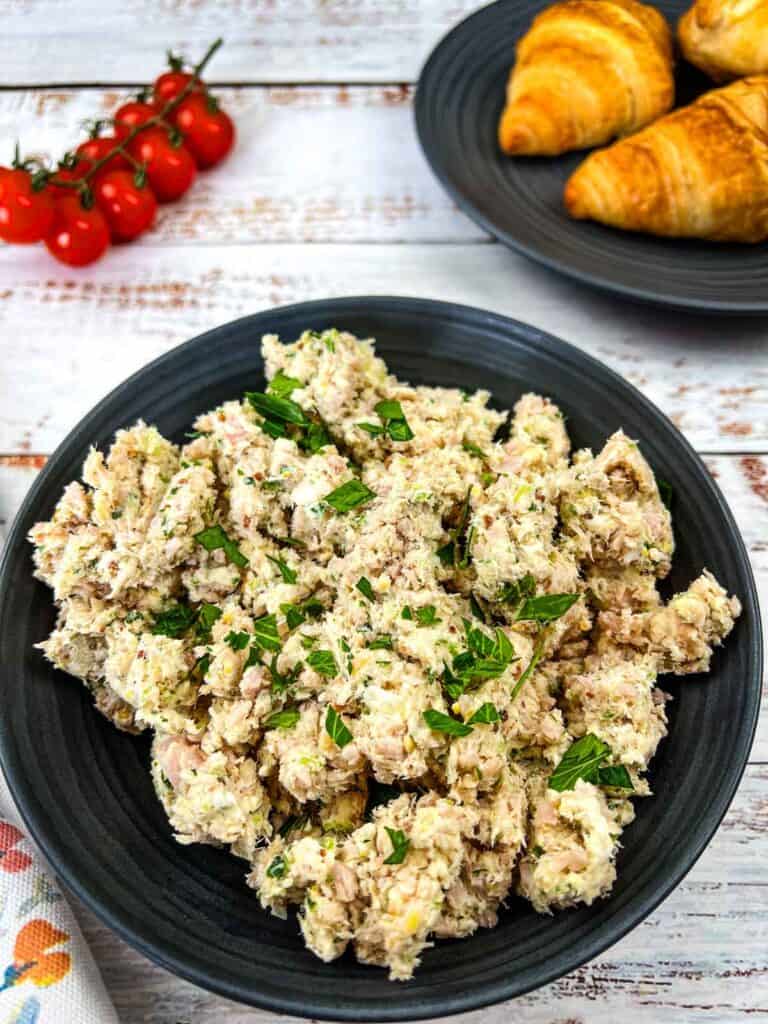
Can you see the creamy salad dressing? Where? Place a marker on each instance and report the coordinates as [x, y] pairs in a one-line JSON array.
[[399, 666]]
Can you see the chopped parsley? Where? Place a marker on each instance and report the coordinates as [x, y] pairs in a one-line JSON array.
[[265, 634], [207, 614], [486, 714], [336, 728], [324, 663], [383, 642], [281, 681], [365, 588], [289, 575], [393, 422], [348, 496], [215, 537], [237, 641], [440, 722], [174, 621], [285, 719], [584, 759], [277, 867], [513, 593], [282, 385], [473, 449], [400, 845], [545, 607], [277, 410]]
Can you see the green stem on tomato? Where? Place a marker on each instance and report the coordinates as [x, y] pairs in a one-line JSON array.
[[158, 119]]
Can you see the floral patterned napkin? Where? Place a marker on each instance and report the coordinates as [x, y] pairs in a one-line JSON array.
[[47, 973]]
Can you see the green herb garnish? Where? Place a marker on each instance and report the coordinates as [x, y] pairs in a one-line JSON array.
[[285, 719], [289, 575], [365, 588], [439, 722], [486, 714], [400, 844], [324, 663], [381, 643], [584, 759], [265, 634], [545, 607], [348, 496], [281, 385], [215, 537], [336, 728], [174, 621], [277, 867], [275, 409], [237, 641], [393, 422]]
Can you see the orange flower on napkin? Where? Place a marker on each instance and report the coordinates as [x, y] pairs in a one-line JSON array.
[[32, 957]]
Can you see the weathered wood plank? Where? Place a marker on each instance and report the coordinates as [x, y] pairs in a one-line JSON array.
[[266, 40], [312, 164], [698, 958], [743, 480], [97, 326]]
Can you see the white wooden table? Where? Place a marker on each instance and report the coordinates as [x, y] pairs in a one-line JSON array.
[[328, 194]]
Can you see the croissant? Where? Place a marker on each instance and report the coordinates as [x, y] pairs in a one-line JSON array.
[[587, 71], [700, 172], [726, 38]]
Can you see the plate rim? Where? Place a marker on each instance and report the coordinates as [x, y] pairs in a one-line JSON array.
[[405, 1008], [646, 296]]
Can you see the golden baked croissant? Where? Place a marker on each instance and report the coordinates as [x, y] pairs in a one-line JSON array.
[[700, 172], [726, 38], [587, 71]]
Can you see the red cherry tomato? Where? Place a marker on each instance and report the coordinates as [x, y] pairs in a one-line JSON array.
[[170, 169], [131, 115], [168, 86], [208, 134], [25, 215], [96, 149], [128, 209], [75, 173], [77, 236], [5, 173]]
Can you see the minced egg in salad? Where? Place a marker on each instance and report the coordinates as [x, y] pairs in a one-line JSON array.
[[399, 651]]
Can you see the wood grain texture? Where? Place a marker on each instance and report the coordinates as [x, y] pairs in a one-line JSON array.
[[698, 959], [312, 164], [266, 40], [100, 325]]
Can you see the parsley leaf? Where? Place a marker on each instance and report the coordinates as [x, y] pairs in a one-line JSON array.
[[294, 616], [393, 422], [215, 537], [472, 449], [426, 615], [400, 845], [285, 719], [237, 641], [584, 760], [324, 663], [365, 588], [336, 728], [486, 714], [381, 643], [265, 634], [546, 607], [277, 867], [272, 408], [282, 681], [349, 496], [207, 614], [174, 621], [512, 593], [289, 575], [281, 385], [528, 671], [439, 722]]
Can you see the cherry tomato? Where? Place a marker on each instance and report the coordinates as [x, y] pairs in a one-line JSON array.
[[128, 209], [96, 149], [5, 173], [75, 173], [25, 215], [77, 236], [208, 134], [131, 115], [168, 86], [170, 168]]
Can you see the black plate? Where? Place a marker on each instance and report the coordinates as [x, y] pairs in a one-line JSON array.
[[84, 790], [458, 103]]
